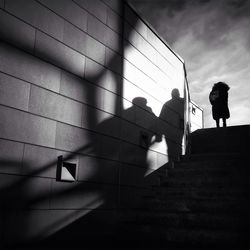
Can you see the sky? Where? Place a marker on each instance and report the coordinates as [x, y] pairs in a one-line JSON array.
[[213, 38]]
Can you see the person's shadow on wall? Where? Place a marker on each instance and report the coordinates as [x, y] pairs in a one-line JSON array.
[[132, 136], [127, 145], [15, 195], [129, 159], [15, 198], [173, 114]]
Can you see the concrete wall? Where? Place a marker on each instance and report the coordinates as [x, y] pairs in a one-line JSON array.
[[71, 85]]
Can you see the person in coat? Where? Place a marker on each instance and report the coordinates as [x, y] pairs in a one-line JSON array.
[[218, 98]]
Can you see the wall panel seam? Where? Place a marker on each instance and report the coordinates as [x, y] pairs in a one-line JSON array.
[[49, 118], [33, 54], [113, 8], [149, 95], [51, 180], [87, 23], [58, 93], [94, 39], [147, 41], [89, 13], [169, 77], [82, 154], [149, 58], [154, 32], [56, 39]]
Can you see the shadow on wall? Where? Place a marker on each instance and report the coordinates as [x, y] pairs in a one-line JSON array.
[[90, 200], [29, 218], [173, 136], [85, 209], [21, 206]]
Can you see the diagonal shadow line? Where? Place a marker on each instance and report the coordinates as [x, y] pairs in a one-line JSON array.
[[89, 116], [22, 181]]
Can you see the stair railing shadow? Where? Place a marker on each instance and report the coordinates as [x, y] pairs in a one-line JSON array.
[[16, 199]]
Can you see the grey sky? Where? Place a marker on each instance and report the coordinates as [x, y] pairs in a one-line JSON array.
[[213, 38]]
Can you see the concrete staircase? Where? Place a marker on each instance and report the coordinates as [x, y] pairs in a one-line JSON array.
[[204, 201]]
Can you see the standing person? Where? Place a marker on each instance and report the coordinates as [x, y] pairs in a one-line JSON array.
[[218, 97]]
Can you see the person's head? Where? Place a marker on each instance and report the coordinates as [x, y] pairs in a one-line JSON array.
[[140, 101], [221, 86], [175, 93]]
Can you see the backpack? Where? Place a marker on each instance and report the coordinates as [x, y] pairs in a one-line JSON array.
[[213, 96]]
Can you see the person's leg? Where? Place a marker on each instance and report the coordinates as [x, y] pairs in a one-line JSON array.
[[217, 123], [224, 122]]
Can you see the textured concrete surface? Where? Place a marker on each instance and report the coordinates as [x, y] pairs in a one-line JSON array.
[[22, 126], [15, 93], [17, 32], [65, 8], [45, 103], [68, 83], [38, 16], [57, 53], [26, 67]]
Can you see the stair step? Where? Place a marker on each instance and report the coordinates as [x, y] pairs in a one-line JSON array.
[[200, 182], [190, 220], [185, 237], [213, 157], [203, 200], [208, 175], [207, 193], [204, 146], [174, 204], [203, 166], [210, 163], [215, 148], [202, 236]]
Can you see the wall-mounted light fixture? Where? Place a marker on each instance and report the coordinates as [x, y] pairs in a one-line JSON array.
[[66, 171]]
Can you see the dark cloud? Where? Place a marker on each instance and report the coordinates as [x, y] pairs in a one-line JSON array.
[[233, 8], [170, 6], [239, 3]]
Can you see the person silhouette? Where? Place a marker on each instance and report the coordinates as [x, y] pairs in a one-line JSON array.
[[218, 98], [172, 112], [146, 134]]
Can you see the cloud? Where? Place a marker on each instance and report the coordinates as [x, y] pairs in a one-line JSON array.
[[213, 38]]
